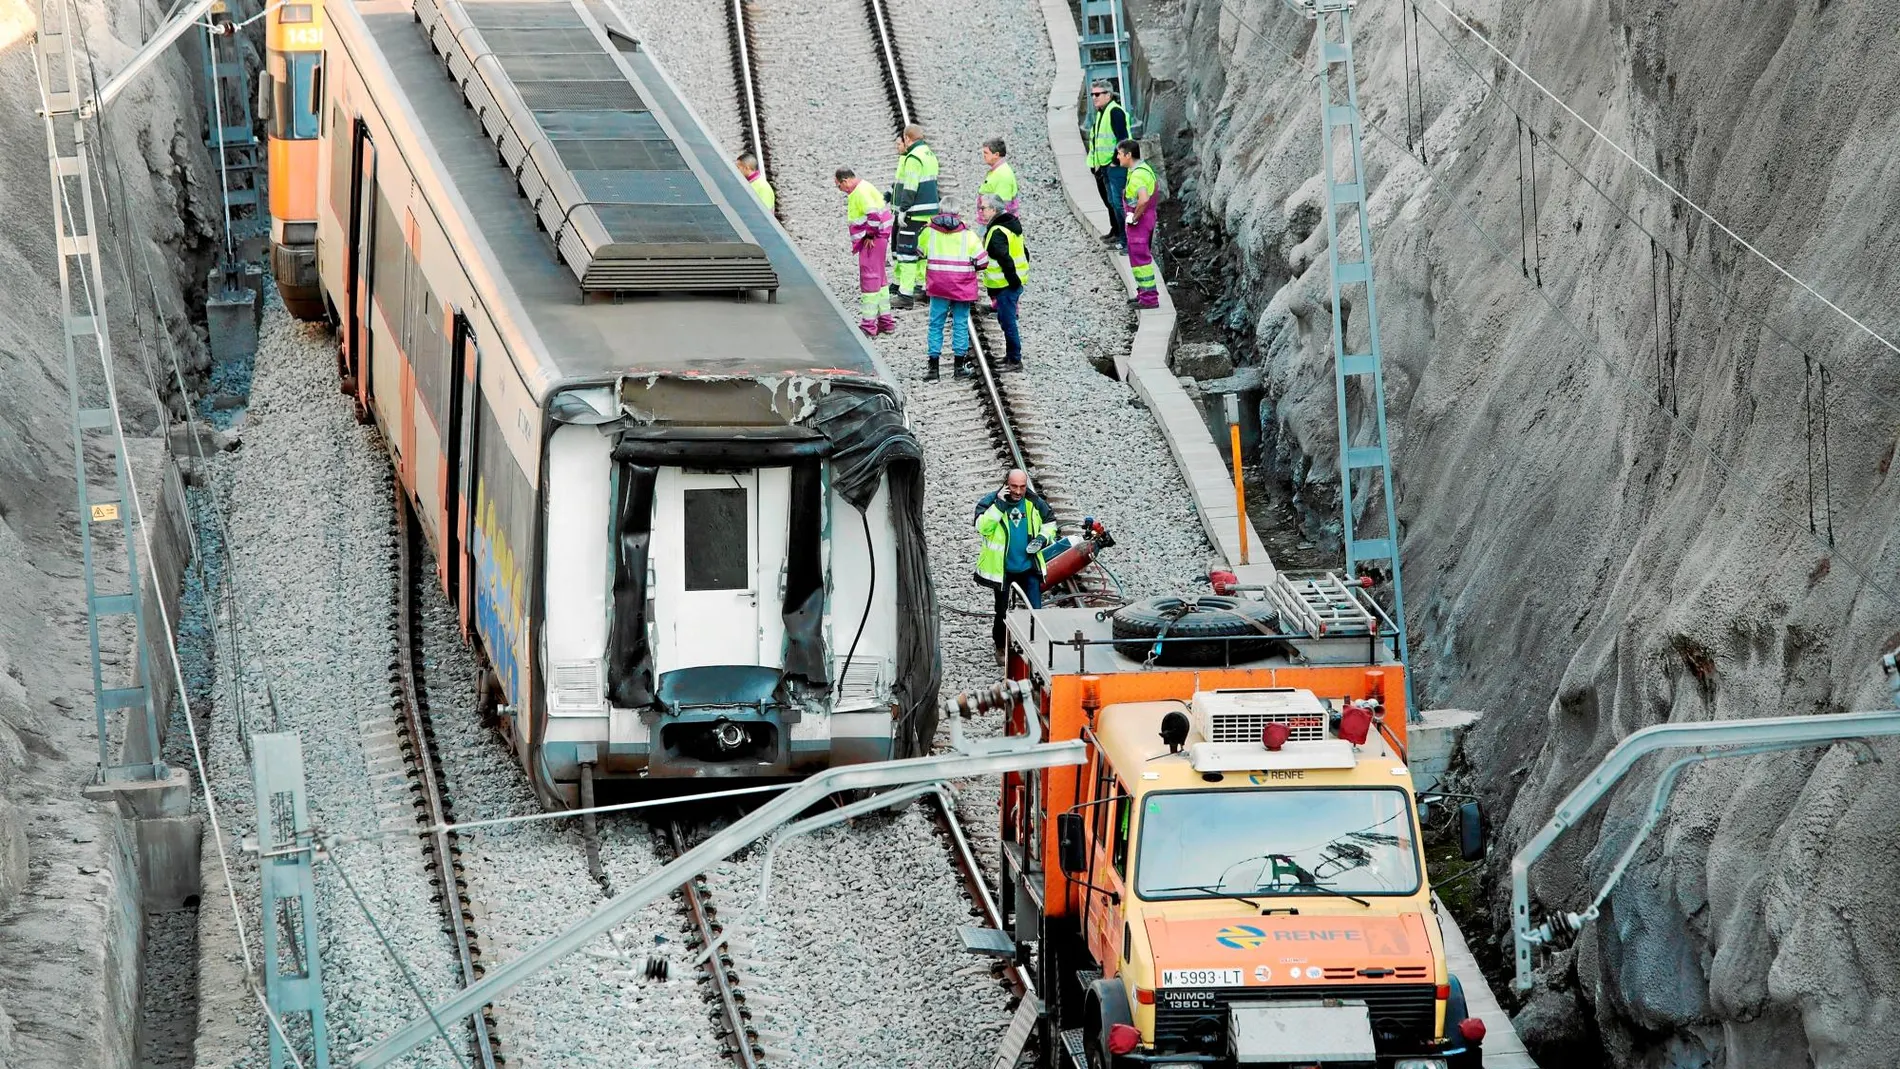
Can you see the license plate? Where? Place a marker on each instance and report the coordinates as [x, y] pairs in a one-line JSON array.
[[1201, 978]]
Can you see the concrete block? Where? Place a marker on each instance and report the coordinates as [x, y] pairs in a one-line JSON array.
[[231, 314], [147, 799], [169, 855], [1432, 743]]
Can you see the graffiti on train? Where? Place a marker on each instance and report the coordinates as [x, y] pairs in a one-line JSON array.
[[500, 597]]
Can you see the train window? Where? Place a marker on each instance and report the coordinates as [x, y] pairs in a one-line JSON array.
[[717, 546], [297, 13], [297, 98]]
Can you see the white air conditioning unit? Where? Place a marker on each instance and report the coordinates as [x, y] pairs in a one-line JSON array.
[[1241, 715], [578, 687]]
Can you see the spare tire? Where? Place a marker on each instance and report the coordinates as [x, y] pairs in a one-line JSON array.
[[1199, 631]]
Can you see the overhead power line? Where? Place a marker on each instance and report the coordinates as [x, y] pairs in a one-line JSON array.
[[1663, 182]]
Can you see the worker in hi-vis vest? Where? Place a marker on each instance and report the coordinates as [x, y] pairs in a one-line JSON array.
[[1017, 526], [1140, 197], [749, 167], [870, 223], [1008, 270], [1108, 128], [914, 198], [1000, 179], [954, 262]]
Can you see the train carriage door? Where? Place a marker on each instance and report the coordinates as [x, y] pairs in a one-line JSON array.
[[458, 448], [716, 591], [361, 261]]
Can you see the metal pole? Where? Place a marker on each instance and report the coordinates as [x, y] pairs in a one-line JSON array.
[[1750, 736], [1240, 484], [721, 844]]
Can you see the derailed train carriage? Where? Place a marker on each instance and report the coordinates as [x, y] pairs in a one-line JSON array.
[[672, 492]]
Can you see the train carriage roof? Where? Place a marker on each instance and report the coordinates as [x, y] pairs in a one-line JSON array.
[[597, 337]]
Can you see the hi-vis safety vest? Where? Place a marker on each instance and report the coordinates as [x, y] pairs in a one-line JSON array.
[[865, 212], [1102, 147], [762, 189], [993, 277], [916, 188], [1001, 181], [1141, 181], [993, 525]]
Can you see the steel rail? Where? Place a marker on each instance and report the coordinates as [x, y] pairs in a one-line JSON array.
[[443, 845], [965, 861], [745, 69], [893, 68], [739, 1035]]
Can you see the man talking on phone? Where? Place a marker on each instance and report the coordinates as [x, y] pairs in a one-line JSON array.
[[1017, 526]]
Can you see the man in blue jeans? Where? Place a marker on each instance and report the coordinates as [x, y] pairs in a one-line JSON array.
[[1008, 270]]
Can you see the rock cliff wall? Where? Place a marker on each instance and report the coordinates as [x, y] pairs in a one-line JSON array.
[[1606, 480], [68, 945]]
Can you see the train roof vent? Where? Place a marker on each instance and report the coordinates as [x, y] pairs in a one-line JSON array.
[[626, 209]]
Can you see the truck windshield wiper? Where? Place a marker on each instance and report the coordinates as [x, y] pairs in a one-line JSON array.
[[1323, 889], [1204, 889]]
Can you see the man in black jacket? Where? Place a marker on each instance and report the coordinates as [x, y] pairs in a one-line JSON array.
[[1007, 271]]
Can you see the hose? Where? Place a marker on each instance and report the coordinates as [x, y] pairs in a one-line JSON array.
[[870, 553]]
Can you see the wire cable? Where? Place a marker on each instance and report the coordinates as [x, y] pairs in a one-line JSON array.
[[151, 564], [402, 966], [1590, 344], [1658, 179]]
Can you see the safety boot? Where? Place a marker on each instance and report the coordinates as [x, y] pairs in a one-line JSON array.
[[902, 301], [932, 375]]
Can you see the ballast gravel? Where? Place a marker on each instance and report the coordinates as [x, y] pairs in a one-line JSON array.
[[308, 502]]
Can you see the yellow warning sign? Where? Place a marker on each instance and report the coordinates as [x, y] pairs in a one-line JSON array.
[[103, 513]]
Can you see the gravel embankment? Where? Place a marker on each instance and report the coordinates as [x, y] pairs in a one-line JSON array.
[[309, 506]]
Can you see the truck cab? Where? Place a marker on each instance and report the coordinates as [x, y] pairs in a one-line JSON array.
[[1236, 876]]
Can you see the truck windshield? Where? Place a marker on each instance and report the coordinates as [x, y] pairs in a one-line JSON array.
[[1198, 843]]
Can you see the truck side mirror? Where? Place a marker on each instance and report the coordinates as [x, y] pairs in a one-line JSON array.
[[1071, 850], [263, 97], [1471, 831]]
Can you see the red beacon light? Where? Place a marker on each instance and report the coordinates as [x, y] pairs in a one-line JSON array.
[[1274, 735], [1122, 1039], [1471, 1030], [1355, 723], [1223, 582]]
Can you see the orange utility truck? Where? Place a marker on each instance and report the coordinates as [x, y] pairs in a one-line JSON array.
[[1235, 878]]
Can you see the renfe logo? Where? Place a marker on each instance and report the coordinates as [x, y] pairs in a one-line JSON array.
[[1240, 937], [1320, 935]]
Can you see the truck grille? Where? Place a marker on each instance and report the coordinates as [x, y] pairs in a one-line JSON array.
[[1396, 1009]]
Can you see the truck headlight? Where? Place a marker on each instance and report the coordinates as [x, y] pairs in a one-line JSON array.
[[1420, 1063]]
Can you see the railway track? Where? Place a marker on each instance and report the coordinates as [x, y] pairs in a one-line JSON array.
[[433, 809], [740, 1038]]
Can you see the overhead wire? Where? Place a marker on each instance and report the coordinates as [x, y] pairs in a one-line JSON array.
[[1660, 180], [1591, 344], [93, 305]]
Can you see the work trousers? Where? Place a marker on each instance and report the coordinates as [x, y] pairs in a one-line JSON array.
[[1031, 582], [958, 312], [874, 295], [1005, 301], [1109, 182], [910, 266], [1141, 258]]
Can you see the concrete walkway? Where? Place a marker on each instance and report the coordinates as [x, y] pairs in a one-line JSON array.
[[1145, 366], [1209, 479]]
